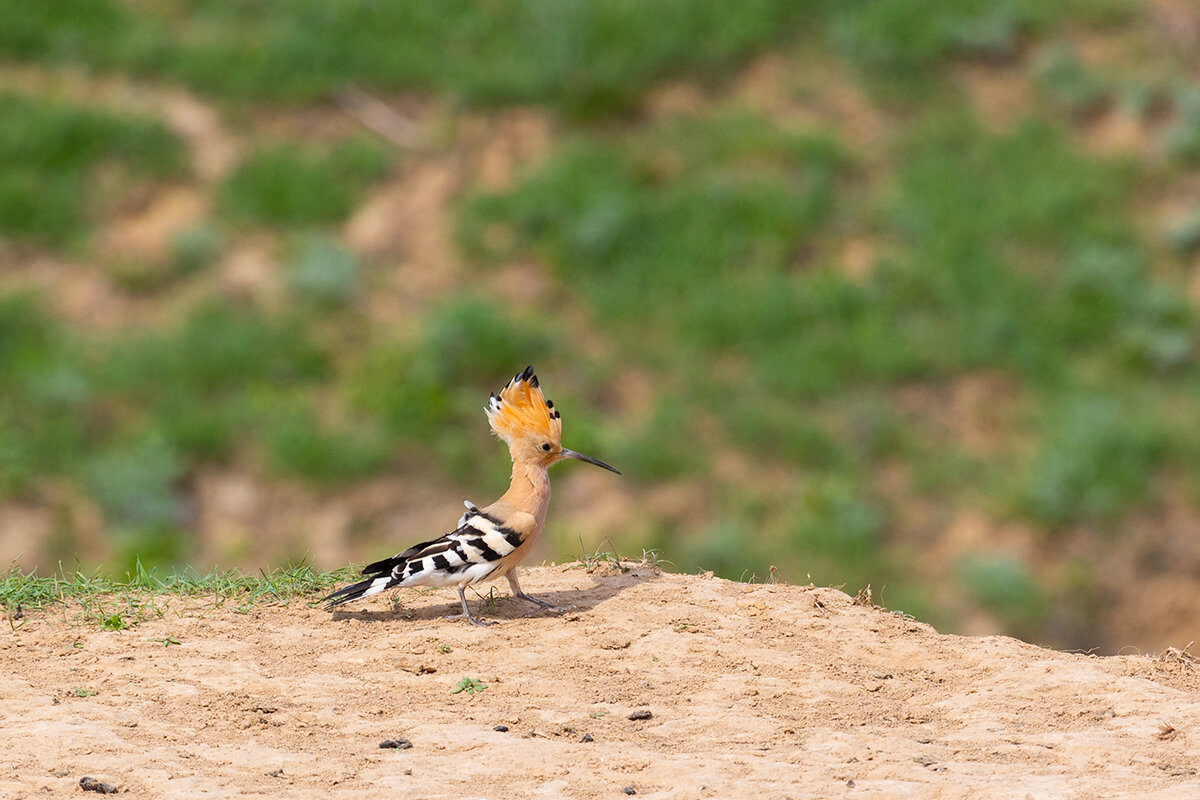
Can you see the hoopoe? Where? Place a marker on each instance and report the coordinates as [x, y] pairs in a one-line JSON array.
[[489, 542]]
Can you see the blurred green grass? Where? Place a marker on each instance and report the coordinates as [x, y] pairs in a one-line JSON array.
[[583, 57], [51, 150], [293, 185], [702, 251]]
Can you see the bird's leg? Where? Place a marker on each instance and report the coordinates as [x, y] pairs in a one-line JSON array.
[[515, 585], [466, 614]]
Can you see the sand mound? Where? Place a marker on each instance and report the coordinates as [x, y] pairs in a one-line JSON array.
[[764, 691]]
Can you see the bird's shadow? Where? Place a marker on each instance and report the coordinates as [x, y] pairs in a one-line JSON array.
[[501, 606]]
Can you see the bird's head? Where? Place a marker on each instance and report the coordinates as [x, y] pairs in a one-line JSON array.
[[530, 425]]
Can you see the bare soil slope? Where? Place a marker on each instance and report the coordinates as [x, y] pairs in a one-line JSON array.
[[764, 691]]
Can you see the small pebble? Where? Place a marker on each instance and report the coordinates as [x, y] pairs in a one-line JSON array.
[[630, 790], [395, 744], [643, 714], [501, 728], [90, 784], [587, 737]]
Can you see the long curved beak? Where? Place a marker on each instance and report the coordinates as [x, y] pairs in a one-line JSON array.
[[581, 457]]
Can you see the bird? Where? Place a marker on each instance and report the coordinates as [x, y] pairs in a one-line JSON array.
[[488, 542]]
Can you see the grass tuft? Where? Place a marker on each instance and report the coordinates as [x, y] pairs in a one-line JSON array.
[[120, 603]]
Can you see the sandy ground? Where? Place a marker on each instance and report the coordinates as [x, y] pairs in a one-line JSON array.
[[764, 691]]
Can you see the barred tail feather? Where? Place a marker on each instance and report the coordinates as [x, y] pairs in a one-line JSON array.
[[470, 554], [357, 591]]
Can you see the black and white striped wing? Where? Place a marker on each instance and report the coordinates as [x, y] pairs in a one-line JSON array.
[[464, 556]]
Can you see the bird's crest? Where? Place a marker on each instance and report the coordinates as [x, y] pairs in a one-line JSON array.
[[521, 410]]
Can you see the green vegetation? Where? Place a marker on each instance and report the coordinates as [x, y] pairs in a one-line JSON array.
[[429, 393], [299, 443], [322, 273], [1005, 586], [44, 395], [585, 57], [1068, 83], [1096, 460], [471, 686], [900, 46], [982, 223], [50, 153], [194, 249], [144, 593], [291, 185]]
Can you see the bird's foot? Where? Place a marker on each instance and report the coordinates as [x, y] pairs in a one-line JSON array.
[[466, 611]]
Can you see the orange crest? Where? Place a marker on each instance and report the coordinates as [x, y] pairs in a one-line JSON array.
[[521, 410]]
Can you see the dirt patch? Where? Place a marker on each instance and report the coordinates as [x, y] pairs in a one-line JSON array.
[[980, 412], [753, 690], [146, 233], [1148, 573], [500, 146], [1178, 21], [1002, 94], [858, 258]]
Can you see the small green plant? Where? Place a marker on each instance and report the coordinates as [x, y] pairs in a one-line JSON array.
[[590, 561], [471, 686], [79, 691], [398, 607], [445, 649], [114, 622], [489, 598], [653, 558], [166, 641], [597, 714]]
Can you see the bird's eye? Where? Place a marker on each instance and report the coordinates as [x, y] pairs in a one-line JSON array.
[[546, 447]]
